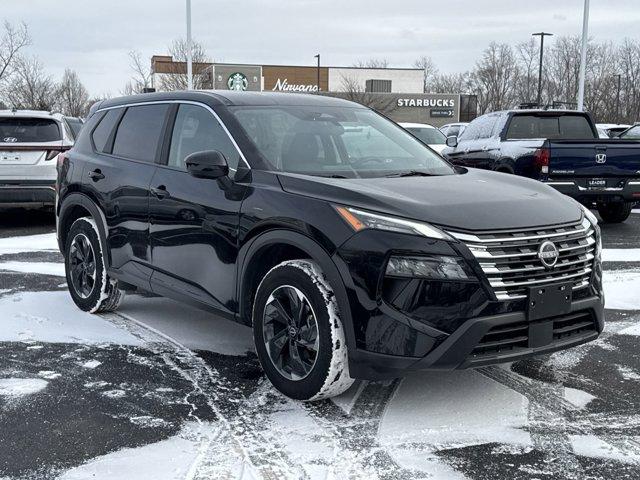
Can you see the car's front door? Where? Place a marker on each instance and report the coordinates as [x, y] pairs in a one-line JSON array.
[[194, 221]]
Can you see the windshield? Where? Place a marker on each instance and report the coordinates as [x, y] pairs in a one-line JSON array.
[[30, 130], [336, 142], [430, 136]]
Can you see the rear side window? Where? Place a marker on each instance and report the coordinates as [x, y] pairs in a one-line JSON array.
[[102, 132], [139, 132], [632, 134], [29, 130], [545, 126], [481, 127], [197, 130]]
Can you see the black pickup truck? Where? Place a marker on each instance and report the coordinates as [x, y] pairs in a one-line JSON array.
[[560, 148]]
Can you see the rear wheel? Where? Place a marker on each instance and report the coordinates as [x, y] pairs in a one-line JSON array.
[[615, 212], [298, 332], [89, 285]]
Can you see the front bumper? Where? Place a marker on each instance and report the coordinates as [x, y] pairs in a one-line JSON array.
[[618, 189], [490, 340], [17, 193]]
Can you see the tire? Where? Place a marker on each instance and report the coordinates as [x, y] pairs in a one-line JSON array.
[[615, 212], [299, 371], [93, 292]]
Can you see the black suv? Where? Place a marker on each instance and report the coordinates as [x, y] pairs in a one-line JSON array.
[[353, 249]]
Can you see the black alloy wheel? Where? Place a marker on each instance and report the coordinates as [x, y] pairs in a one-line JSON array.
[[290, 332], [83, 265]]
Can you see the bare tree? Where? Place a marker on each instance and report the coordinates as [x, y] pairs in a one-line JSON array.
[[72, 96], [30, 87], [178, 79], [141, 78], [452, 83], [353, 90], [527, 54], [13, 40], [495, 76], [430, 71], [372, 63]]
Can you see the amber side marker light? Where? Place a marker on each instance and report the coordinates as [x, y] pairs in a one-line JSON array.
[[350, 218]]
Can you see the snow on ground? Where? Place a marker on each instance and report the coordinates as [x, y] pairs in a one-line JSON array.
[[17, 387], [622, 289], [621, 255], [592, 446], [53, 317], [451, 410], [42, 268], [577, 397], [30, 243]]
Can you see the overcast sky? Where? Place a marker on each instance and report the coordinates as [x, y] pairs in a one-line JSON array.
[[94, 36]]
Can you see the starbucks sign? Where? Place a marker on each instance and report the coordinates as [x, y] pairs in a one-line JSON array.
[[237, 81]]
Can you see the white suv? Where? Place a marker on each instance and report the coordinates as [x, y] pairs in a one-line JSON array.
[[30, 141]]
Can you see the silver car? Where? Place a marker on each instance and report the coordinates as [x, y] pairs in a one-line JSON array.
[[30, 141]]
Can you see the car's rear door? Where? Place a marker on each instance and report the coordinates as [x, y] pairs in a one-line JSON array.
[[127, 143], [195, 221]]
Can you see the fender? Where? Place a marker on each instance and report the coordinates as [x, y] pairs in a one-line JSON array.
[[317, 254], [505, 165], [82, 200]]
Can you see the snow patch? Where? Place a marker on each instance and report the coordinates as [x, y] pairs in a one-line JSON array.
[[49, 374], [622, 289], [592, 446], [41, 268], [91, 364], [628, 373], [18, 387], [577, 397], [147, 421], [621, 255], [114, 393], [53, 317], [31, 243]]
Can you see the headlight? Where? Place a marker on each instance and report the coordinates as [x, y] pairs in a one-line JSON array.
[[435, 267], [361, 220], [594, 223]]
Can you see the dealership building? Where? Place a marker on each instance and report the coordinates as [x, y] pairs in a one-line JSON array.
[[396, 92]]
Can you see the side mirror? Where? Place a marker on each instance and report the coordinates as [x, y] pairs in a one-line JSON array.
[[207, 164], [452, 141]]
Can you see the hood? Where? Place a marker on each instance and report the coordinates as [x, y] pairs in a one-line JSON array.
[[475, 200]]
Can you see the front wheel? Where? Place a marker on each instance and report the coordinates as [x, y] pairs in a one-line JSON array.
[[299, 334], [615, 212]]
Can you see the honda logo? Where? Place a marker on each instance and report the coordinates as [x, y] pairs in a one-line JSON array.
[[601, 158]]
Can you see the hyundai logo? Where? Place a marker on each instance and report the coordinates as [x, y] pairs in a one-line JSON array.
[[601, 158], [548, 254]]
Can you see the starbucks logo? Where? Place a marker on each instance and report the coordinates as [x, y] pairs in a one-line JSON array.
[[237, 81]]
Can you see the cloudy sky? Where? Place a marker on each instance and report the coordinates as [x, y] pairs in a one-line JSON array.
[[94, 36]]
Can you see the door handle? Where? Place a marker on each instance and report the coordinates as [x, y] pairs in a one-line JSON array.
[[96, 175], [160, 192]]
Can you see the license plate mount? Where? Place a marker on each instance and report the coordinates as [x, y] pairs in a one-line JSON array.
[[549, 300]]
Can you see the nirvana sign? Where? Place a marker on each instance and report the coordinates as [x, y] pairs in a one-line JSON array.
[[283, 85]]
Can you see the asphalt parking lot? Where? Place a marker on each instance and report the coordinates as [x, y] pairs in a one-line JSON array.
[[159, 390]]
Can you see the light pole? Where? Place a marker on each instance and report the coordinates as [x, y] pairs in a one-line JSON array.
[[189, 53], [618, 98], [541, 35], [583, 57], [318, 72]]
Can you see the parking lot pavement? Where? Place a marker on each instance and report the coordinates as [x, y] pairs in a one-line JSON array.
[[159, 390]]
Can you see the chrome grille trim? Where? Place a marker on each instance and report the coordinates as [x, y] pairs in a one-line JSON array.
[[510, 259]]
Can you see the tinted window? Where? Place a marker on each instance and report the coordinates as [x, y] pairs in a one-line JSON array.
[[632, 134], [31, 130], [335, 141], [138, 135], [105, 127], [430, 136], [196, 130], [75, 124], [545, 126], [481, 127]]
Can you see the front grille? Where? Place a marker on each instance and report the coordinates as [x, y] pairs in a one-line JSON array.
[[509, 338], [510, 259]]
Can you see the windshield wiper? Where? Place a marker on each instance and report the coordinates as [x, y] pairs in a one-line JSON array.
[[333, 175], [410, 173]]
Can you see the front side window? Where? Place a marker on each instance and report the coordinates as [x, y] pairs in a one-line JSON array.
[[335, 141], [197, 130], [139, 133], [29, 130], [430, 136]]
